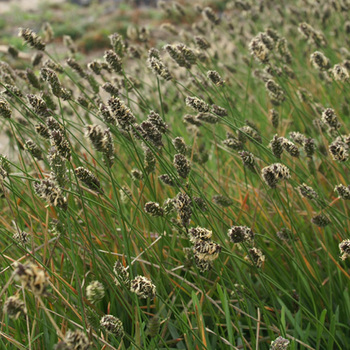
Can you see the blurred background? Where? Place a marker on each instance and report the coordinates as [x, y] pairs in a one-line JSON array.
[[5, 5]]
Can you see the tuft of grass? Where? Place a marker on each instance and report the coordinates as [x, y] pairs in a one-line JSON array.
[[146, 188]]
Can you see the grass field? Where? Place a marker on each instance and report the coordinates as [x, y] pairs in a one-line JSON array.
[[187, 188]]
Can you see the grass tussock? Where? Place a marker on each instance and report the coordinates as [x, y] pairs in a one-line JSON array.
[[187, 189]]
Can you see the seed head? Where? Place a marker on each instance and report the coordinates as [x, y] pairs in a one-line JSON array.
[[76, 340], [125, 194], [192, 120], [48, 32], [206, 250], [122, 113], [339, 151], [13, 51], [320, 61], [272, 174], [58, 167], [285, 234], [32, 78], [153, 209], [233, 143], [113, 60], [305, 29], [309, 147], [312, 35], [255, 257], [220, 111], [12, 90], [149, 161], [275, 91], [95, 292], [248, 160], [320, 220], [49, 191], [207, 118], [274, 118], [279, 344], [202, 42], [168, 206], [276, 146], [343, 191], [170, 28], [31, 277], [199, 233], [290, 147], [166, 179], [89, 179], [177, 56], [117, 43], [182, 165], [157, 122], [159, 68], [95, 66], [95, 134], [151, 134], [47, 97], [108, 148], [215, 78], [203, 265], [180, 145], [53, 66], [307, 192], [108, 118], [136, 175], [200, 203], [111, 89], [240, 234], [259, 50], [21, 237], [5, 110], [31, 38], [209, 14], [69, 43], [183, 206], [340, 73], [297, 137], [282, 49], [14, 307], [56, 227], [51, 77], [39, 105], [121, 274], [76, 67], [61, 144], [4, 167], [221, 200], [143, 287], [197, 104], [134, 52], [187, 53], [153, 52], [112, 325], [33, 149], [36, 58], [330, 118], [344, 247]]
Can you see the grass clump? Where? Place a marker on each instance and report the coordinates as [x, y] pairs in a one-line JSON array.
[[187, 188]]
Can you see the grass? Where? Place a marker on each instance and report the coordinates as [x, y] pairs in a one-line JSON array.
[[208, 295]]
